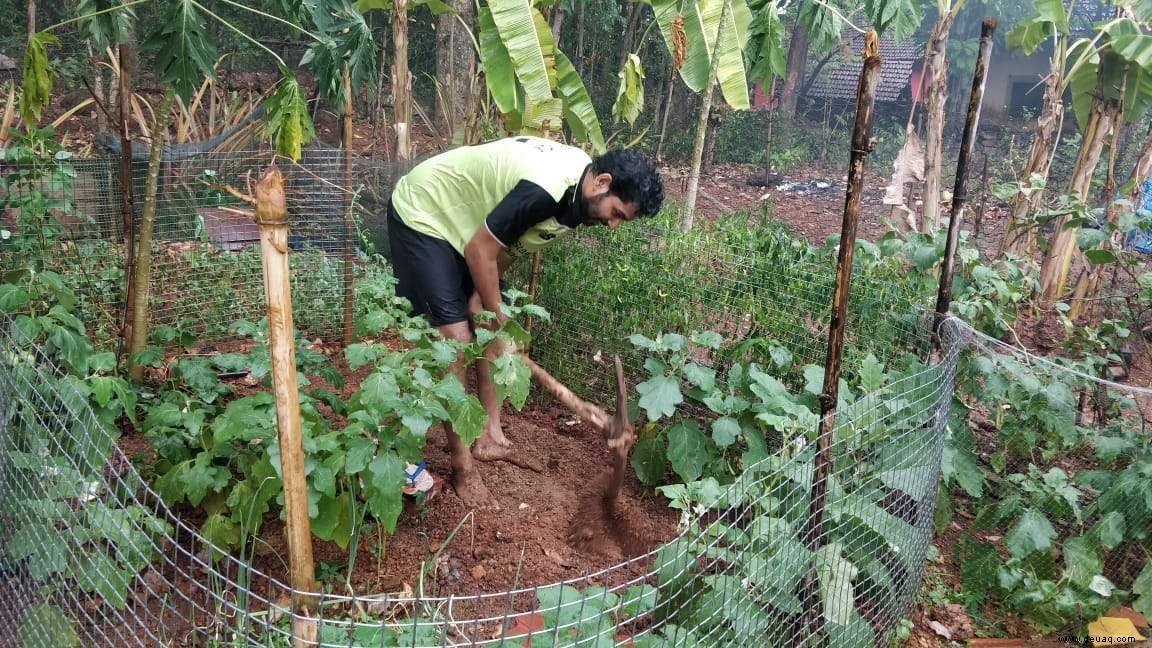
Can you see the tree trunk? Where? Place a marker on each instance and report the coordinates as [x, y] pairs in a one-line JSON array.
[[635, 10], [580, 37], [401, 80], [1017, 237], [98, 90], [1087, 288], [935, 71], [794, 72], [768, 139], [557, 23], [455, 63], [667, 110], [127, 204], [31, 18], [140, 294], [1059, 257], [714, 121], [702, 124], [1089, 282]]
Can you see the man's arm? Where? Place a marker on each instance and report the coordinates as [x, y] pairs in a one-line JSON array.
[[525, 206]]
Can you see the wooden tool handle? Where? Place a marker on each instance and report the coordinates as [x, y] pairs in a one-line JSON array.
[[582, 408]]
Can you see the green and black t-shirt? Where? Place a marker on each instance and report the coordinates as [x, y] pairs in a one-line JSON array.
[[525, 190]]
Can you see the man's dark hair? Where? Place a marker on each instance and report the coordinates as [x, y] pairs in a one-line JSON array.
[[634, 179]]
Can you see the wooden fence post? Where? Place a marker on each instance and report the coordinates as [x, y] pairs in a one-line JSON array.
[[861, 147], [959, 193], [349, 226], [272, 219]]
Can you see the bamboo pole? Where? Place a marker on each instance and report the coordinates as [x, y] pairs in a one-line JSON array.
[[272, 219], [127, 206], [861, 147], [140, 289], [401, 80], [960, 189], [349, 226]]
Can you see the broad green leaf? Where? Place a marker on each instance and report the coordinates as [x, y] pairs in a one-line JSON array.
[[767, 43], [37, 84], [822, 25], [1081, 560], [648, 460], [1109, 530], [221, 531], [468, 419], [1129, 42], [184, 50], [578, 109], [1032, 533], [708, 339], [385, 478], [871, 374], [499, 73], [961, 465], [895, 19], [659, 397], [978, 568], [1083, 64], [47, 626], [630, 93], [725, 431], [694, 68], [1100, 257], [107, 22], [1028, 34], [687, 450], [1142, 589], [702, 377], [835, 574], [730, 74], [1052, 11], [289, 122], [516, 23], [543, 117], [1090, 237]]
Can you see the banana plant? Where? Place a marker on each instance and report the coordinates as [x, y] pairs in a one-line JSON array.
[[689, 29], [1110, 76], [533, 83]]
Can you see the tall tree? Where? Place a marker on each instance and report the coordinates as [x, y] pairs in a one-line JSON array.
[[455, 61], [795, 66], [935, 96]]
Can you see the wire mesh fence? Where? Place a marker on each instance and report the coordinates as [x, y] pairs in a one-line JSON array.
[[92, 552], [92, 555], [205, 261], [1062, 535]]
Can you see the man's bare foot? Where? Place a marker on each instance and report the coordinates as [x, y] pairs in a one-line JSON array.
[[487, 450], [471, 490], [495, 434]]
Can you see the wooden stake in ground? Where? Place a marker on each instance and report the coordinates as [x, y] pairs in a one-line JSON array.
[[401, 80], [861, 147], [138, 299], [127, 206], [960, 189], [687, 216], [272, 219], [349, 226]]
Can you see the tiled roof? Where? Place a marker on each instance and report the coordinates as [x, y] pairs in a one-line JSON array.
[[838, 80]]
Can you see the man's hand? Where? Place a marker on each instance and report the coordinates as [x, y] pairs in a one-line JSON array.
[[481, 255]]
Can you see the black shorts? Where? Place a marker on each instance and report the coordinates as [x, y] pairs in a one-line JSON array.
[[430, 273]]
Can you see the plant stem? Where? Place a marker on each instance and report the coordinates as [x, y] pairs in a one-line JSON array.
[[274, 18], [126, 5], [240, 32]]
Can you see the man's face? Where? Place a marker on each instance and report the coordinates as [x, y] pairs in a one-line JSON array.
[[603, 208]]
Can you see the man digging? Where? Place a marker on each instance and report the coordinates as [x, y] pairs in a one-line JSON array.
[[455, 220]]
